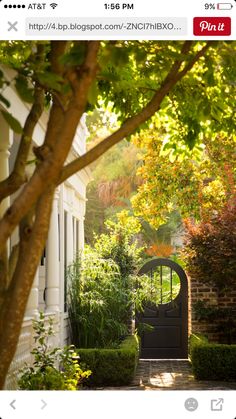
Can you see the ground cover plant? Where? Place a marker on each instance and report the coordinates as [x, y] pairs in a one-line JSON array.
[[52, 368]]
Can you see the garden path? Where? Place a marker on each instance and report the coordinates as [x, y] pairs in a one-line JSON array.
[[170, 375]]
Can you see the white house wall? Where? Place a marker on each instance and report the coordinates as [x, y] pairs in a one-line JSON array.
[[69, 197]]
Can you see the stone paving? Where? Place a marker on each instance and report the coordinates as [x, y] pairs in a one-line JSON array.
[[170, 375]]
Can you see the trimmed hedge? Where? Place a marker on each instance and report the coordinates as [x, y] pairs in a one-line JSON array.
[[212, 361], [111, 367]]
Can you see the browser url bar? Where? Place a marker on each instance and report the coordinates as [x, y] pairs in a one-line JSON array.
[[106, 27]]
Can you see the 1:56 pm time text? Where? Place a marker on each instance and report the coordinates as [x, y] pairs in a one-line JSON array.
[[117, 6]]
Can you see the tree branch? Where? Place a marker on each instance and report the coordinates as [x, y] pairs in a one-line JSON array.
[[199, 54], [13, 260], [58, 49], [17, 177], [3, 269], [77, 76], [131, 124], [57, 111]]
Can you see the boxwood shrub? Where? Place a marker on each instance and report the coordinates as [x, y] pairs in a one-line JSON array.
[[212, 361], [111, 367]]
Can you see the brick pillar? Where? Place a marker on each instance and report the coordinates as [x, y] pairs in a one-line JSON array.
[[212, 297]]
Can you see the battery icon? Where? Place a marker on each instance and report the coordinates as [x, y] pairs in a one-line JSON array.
[[224, 6]]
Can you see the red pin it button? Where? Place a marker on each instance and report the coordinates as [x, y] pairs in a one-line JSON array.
[[212, 26]]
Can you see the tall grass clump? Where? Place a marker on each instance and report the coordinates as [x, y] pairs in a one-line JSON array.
[[97, 301], [103, 289]]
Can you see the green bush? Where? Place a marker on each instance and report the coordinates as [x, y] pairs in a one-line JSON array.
[[111, 367], [53, 368], [211, 361]]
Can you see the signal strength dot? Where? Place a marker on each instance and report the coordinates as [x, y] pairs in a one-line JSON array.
[[53, 5]]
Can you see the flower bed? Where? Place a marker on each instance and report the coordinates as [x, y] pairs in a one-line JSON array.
[[212, 361], [111, 367]]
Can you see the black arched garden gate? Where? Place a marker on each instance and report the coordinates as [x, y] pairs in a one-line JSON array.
[[168, 338]]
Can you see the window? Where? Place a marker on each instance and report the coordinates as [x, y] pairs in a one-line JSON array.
[[77, 237], [65, 261], [42, 262]]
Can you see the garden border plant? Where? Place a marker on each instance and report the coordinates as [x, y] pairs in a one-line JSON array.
[[112, 367], [212, 361], [53, 368]]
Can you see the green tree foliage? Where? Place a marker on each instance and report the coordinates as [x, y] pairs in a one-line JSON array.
[[195, 182], [119, 243], [114, 182], [163, 234]]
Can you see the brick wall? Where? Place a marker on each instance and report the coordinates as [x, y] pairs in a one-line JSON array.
[[211, 296]]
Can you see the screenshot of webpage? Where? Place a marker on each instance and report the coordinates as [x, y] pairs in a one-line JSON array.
[[117, 209], [123, 20]]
